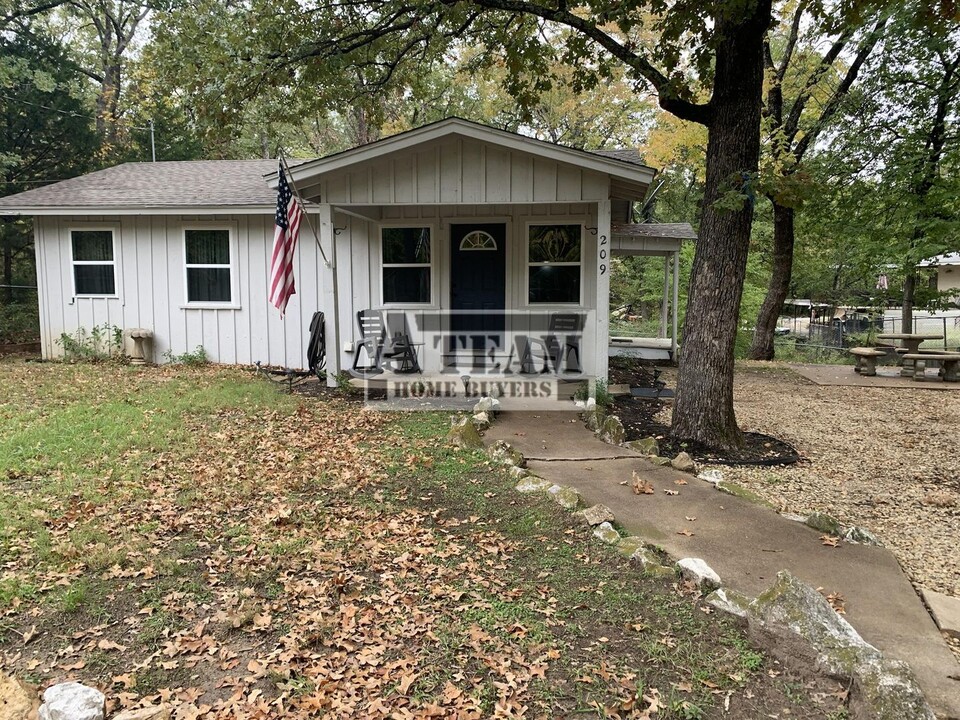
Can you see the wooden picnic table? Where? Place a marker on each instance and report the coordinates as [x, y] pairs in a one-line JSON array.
[[911, 342]]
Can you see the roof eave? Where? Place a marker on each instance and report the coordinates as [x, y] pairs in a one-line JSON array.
[[245, 209], [411, 138]]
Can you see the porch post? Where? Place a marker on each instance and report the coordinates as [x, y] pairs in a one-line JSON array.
[[665, 302], [676, 302], [602, 358], [328, 285]]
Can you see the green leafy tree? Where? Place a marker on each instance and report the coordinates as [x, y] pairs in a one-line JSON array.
[[805, 91], [46, 135], [682, 51], [903, 151]]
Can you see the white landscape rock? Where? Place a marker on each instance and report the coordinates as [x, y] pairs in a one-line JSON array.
[[487, 405], [711, 476], [607, 533], [72, 701], [534, 484], [696, 570], [596, 514]]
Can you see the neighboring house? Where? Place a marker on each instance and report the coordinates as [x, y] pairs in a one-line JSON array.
[[430, 225], [947, 268]]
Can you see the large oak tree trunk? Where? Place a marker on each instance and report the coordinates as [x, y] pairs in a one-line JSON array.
[[781, 267], [703, 410]]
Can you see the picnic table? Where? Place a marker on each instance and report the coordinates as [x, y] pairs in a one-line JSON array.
[[911, 343]]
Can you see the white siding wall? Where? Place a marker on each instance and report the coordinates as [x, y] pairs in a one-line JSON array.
[[358, 260], [459, 170], [150, 280], [151, 276]]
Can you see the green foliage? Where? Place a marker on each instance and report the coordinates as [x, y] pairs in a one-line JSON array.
[[602, 395], [195, 358], [99, 344], [19, 321]]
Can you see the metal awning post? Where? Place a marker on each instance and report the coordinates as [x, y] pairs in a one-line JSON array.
[[665, 303], [676, 302]]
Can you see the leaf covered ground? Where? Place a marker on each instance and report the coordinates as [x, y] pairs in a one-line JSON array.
[[197, 538]]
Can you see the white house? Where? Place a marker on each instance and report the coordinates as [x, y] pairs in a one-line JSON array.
[[947, 267], [459, 230]]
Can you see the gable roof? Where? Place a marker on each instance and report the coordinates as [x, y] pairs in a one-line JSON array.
[[249, 186], [621, 164], [138, 186]]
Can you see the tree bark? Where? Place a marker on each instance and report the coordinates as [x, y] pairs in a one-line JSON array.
[[703, 410], [782, 270], [906, 312]]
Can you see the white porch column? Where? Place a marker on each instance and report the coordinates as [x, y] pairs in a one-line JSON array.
[[328, 294], [602, 358]]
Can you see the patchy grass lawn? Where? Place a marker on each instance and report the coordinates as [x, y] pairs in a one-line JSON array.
[[195, 537]]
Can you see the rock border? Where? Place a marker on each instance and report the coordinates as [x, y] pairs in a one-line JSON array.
[[794, 620], [609, 428]]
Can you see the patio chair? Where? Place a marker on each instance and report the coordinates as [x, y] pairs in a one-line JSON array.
[[397, 345], [555, 353], [372, 335]]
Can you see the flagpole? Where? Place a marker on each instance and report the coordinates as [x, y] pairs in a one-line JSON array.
[[296, 191]]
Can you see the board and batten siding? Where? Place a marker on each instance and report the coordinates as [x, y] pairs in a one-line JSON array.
[[151, 293], [459, 170], [359, 276]]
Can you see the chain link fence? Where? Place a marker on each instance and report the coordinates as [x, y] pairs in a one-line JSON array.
[[19, 315]]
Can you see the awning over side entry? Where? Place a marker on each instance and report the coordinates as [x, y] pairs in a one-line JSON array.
[[649, 238]]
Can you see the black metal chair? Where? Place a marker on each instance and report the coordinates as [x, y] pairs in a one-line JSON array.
[[556, 354]]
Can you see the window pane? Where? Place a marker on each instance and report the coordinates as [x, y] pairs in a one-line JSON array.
[[406, 285], [208, 247], [555, 243], [94, 279], [92, 245], [555, 284], [406, 245], [208, 285]]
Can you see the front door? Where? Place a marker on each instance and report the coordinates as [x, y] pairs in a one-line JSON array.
[[477, 290]]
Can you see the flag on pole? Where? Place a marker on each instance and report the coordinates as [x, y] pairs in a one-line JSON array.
[[285, 238]]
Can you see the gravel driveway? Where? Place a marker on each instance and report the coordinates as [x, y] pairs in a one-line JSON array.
[[885, 459]]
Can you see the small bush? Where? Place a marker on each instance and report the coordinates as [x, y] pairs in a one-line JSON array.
[[603, 396], [194, 358], [100, 344]]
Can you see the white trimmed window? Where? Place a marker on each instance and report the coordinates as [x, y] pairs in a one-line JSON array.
[[209, 265], [406, 254], [94, 263], [554, 255]]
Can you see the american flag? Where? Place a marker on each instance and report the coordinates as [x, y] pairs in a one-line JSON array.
[[285, 237]]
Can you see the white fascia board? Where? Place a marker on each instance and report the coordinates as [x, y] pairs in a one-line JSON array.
[[149, 210], [453, 126]]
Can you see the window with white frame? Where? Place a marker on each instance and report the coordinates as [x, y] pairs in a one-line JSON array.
[[94, 264], [405, 259], [554, 258], [208, 265]]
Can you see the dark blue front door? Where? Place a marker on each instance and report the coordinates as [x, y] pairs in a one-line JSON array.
[[477, 287]]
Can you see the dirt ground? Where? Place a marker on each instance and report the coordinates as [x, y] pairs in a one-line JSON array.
[[884, 459]]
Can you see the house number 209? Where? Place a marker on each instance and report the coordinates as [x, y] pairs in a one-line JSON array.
[[603, 254]]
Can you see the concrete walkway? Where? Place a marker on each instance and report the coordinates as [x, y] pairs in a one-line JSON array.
[[746, 543]]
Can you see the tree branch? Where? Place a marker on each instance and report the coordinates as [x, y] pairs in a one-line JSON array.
[[668, 97], [836, 98]]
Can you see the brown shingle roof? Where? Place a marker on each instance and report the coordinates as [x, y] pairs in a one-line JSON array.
[[625, 155], [193, 183]]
